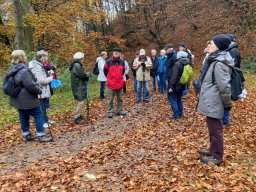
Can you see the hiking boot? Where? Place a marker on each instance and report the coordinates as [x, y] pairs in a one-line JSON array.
[[211, 159], [205, 152], [122, 113], [110, 115], [44, 139], [78, 120], [28, 137]]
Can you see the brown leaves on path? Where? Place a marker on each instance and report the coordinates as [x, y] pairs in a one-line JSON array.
[[144, 151]]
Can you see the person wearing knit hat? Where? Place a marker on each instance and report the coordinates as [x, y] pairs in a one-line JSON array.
[[221, 41], [232, 37], [78, 85], [235, 54], [142, 65], [215, 96]]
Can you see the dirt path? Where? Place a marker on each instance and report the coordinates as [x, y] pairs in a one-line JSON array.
[[144, 151]]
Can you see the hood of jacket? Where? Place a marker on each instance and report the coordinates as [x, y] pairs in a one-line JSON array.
[[72, 64], [233, 45], [15, 68], [223, 57], [34, 63], [183, 61], [100, 58]]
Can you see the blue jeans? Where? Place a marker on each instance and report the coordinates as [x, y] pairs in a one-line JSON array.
[[176, 104], [135, 83], [102, 89], [162, 82], [44, 106], [37, 114], [185, 91], [154, 82], [146, 90], [226, 117]]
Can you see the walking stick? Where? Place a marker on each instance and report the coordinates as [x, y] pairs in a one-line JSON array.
[[87, 101]]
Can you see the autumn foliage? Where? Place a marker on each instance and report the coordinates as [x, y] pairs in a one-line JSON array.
[[64, 27]]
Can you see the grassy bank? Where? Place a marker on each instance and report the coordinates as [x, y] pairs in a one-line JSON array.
[[61, 102]]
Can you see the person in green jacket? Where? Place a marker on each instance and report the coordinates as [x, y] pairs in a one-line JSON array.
[[78, 80]]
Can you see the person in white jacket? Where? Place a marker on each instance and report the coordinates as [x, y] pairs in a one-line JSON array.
[[101, 77], [126, 73], [43, 79]]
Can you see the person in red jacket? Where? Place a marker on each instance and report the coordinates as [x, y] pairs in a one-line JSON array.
[[114, 70]]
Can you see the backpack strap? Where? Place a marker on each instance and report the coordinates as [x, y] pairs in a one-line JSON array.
[[213, 74]]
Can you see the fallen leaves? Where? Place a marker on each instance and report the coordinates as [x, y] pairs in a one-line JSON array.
[[143, 152]]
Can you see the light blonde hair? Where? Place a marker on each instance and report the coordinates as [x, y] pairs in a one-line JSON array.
[[18, 56], [41, 56], [163, 51]]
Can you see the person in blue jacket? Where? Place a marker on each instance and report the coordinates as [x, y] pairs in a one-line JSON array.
[[162, 60]]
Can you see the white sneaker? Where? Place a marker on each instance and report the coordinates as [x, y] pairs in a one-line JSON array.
[[46, 125], [51, 121]]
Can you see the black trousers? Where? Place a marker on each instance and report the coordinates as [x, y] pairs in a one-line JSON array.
[[215, 127]]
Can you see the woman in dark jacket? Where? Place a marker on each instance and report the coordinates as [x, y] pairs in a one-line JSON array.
[[153, 70], [27, 101], [175, 87], [215, 96], [78, 81]]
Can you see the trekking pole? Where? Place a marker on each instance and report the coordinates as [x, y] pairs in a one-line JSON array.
[[87, 101], [50, 131]]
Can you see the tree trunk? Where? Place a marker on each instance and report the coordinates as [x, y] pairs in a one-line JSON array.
[[19, 25], [28, 31]]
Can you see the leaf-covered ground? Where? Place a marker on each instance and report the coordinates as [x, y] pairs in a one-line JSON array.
[[144, 151]]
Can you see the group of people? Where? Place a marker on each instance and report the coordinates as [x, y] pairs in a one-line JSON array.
[[33, 81], [165, 70]]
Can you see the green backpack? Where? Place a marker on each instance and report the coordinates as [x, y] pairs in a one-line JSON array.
[[187, 75]]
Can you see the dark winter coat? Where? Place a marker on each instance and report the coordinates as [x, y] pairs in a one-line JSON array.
[[78, 79], [171, 58], [153, 70], [235, 53], [174, 82], [114, 71], [27, 98]]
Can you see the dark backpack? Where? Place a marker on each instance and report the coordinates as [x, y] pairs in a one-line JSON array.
[[96, 69], [10, 87], [236, 82]]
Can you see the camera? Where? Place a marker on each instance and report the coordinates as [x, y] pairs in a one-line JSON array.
[[143, 64]]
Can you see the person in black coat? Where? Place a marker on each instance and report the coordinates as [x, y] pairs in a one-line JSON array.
[[153, 70], [175, 87], [171, 58], [234, 50]]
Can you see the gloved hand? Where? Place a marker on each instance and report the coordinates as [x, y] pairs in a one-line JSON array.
[[143, 64], [228, 108]]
